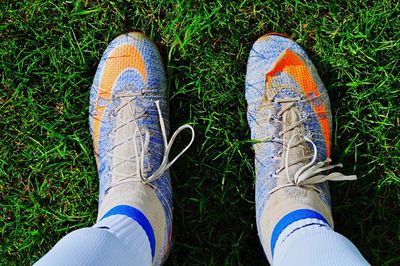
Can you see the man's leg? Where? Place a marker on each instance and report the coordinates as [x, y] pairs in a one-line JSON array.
[[316, 245], [126, 243], [129, 127], [291, 123]]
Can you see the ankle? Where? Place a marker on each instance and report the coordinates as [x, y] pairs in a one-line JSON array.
[[285, 207], [135, 236], [139, 202]]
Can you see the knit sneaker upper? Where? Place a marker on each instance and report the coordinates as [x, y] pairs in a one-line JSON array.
[[129, 126]]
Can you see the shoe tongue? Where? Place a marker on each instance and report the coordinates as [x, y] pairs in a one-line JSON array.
[[296, 152], [124, 144]]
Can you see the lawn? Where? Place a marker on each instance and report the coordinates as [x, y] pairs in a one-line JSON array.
[[49, 51]]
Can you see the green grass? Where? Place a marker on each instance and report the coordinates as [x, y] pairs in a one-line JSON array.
[[49, 52]]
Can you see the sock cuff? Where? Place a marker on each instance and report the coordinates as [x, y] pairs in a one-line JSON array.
[[317, 245], [291, 218], [137, 216]]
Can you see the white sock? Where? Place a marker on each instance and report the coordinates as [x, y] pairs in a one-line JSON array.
[[311, 242], [131, 234]]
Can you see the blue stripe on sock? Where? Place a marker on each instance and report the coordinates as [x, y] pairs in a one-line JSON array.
[[137, 216], [291, 218]]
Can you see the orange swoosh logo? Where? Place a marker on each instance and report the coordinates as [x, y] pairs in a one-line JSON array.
[[293, 65], [120, 59]]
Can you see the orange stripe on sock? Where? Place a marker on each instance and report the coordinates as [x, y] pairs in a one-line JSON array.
[[169, 242]]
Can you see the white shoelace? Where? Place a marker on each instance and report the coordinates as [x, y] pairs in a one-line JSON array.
[[139, 175], [310, 174]]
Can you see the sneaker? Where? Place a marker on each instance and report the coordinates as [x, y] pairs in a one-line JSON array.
[[291, 125], [129, 126]]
